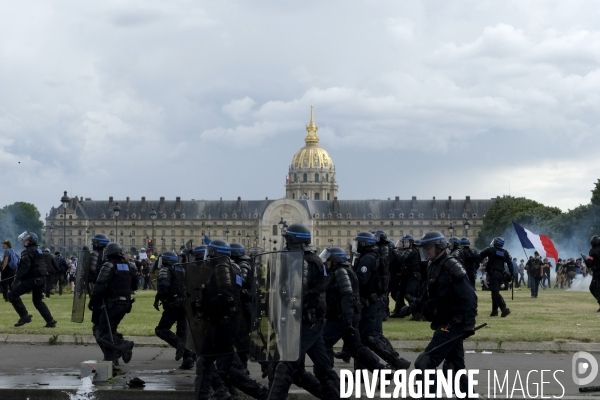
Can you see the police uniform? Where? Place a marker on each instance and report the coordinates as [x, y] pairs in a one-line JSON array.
[[450, 304], [371, 289], [314, 283], [116, 280], [497, 257], [593, 263], [343, 311], [171, 293], [31, 277]]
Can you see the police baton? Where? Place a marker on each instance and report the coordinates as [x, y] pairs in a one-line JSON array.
[[587, 389], [108, 322], [452, 340]]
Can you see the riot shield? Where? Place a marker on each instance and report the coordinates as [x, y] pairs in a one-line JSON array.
[[81, 286], [277, 306], [215, 324]]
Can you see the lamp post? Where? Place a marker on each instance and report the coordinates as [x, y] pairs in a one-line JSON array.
[[111, 235], [240, 236], [153, 217], [451, 229], [116, 210], [87, 232], [467, 226], [227, 234], [130, 244], [162, 239], [173, 243], [264, 243], [52, 233], [65, 202], [247, 240]]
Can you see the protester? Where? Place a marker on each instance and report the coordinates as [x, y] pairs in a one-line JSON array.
[[10, 262]]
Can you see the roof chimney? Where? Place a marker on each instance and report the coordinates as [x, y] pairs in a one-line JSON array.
[[110, 203], [143, 205], [449, 203], [434, 204], [161, 206], [397, 205], [468, 204], [336, 205], [177, 203], [239, 204], [414, 203], [127, 203]]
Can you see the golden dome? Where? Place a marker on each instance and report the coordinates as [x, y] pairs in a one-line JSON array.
[[312, 155]]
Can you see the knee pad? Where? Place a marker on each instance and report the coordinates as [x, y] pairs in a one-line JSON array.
[[422, 362]]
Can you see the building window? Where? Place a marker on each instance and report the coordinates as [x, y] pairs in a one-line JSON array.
[[410, 232], [293, 195], [172, 233], [164, 232], [327, 196], [316, 177], [317, 242], [328, 233], [274, 230], [339, 242], [326, 177], [182, 232], [295, 177], [304, 177], [357, 222], [339, 233], [348, 233], [391, 233], [317, 196]]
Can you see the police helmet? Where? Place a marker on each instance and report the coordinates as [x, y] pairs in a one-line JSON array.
[[296, 234], [46, 251], [114, 249], [218, 247], [595, 241], [454, 242], [169, 258], [497, 242], [336, 255], [408, 241], [433, 238], [365, 241], [32, 237], [238, 251], [380, 236], [465, 242], [199, 252], [100, 241]]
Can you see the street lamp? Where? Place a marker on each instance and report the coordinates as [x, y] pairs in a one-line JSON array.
[[110, 235], [264, 243], [153, 217], [281, 223], [52, 233], [117, 210], [130, 243], [173, 243], [227, 234], [87, 232], [65, 202], [247, 240], [162, 238], [451, 229], [240, 236], [467, 226]]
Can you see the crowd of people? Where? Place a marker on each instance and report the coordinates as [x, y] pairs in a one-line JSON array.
[[344, 296]]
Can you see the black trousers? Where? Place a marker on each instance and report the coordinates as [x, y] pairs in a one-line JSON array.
[[334, 331], [7, 273], [496, 279], [595, 288], [115, 313], [453, 354], [36, 286]]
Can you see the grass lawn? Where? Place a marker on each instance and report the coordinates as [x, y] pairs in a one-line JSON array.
[[556, 315]]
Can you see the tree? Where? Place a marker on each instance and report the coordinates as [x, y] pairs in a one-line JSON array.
[[17, 218], [596, 194], [498, 219]]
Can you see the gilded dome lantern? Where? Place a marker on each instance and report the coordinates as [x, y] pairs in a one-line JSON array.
[[312, 173]]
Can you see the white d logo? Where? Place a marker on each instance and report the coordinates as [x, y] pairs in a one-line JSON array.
[[582, 367]]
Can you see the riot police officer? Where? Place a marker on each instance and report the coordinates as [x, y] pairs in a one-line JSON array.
[[199, 252], [472, 260], [449, 303], [314, 281], [343, 309], [111, 298], [239, 257], [496, 274], [371, 290], [31, 277], [456, 250], [171, 293], [593, 263], [221, 308], [99, 243], [411, 277]]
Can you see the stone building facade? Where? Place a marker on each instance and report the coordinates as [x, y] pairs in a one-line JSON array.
[[311, 198]]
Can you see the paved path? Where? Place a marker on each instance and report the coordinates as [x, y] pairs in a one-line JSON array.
[[37, 371]]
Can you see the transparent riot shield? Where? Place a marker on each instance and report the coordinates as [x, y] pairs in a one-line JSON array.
[[277, 306], [215, 323], [81, 286]]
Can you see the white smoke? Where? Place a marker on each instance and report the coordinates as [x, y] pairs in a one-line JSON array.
[[85, 391], [581, 284]]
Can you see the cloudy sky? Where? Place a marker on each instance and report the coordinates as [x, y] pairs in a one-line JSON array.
[[210, 99]]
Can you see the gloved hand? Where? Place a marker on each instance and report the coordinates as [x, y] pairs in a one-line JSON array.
[[14, 284], [404, 312], [468, 331], [156, 304]]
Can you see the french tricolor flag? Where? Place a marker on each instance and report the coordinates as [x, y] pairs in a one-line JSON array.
[[541, 243]]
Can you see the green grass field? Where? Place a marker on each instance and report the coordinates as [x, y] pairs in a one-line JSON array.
[[556, 315]]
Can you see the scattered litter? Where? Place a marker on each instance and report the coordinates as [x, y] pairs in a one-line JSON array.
[[470, 352], [486, 352], [43, 384], [578, 324], [135, 382], [528, 354]]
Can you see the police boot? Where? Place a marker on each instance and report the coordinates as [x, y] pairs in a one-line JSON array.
[[188, 360], [281, 382], [343, 355], [127, 351], [310, 383], [494, 313], [368, 359], [505, 312], [23, 320], [247, 385]]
